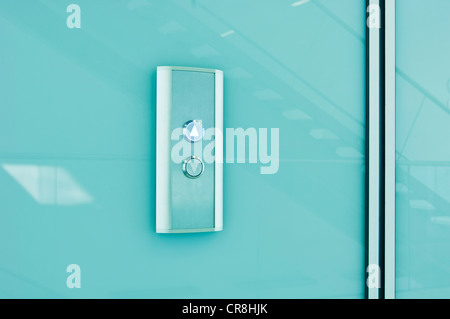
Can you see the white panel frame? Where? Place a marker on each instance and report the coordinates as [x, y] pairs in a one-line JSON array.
[[163, 176], [389, 148], [373, 153]]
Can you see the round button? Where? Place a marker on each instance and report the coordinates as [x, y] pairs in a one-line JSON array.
[[193, 131], [193, 167]]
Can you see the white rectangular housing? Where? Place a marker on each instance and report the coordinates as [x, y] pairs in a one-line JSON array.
[[189, 177]]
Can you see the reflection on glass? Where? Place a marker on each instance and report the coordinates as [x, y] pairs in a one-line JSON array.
[[294, 65], [49, 185], [423, 150]]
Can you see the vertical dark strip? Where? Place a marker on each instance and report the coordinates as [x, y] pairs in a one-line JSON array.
[[366, 180], [382, 146]]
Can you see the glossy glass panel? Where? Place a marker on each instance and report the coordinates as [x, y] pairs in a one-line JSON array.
[[423, 149], [77, 148]]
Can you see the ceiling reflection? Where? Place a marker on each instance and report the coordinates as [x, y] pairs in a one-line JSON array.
[[49, 185]]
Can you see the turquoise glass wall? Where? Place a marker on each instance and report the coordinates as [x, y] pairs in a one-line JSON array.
[[77, 149], [423, 149]]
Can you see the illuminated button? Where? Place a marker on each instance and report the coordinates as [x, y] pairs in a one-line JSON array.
[[193, 167], [193, 131]]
